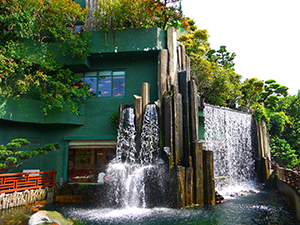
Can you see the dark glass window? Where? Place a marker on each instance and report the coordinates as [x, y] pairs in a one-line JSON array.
[[106, 83], [85, 163]]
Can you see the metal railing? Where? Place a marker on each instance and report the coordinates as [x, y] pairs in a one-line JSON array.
[[10, 182], [288, 176]]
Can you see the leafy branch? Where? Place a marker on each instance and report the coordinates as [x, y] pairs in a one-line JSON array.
[[12, 157]]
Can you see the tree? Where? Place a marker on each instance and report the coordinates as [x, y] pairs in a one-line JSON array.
[[195, 42], [124, 14], [250, 90], [12, 157], [272, 94], [291, 106], [24, 73], [216, 84], [282, 152], [221, 57]]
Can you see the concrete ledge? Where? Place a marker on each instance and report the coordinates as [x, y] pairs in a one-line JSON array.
[[30, 111], [290, 194], [23, 198]]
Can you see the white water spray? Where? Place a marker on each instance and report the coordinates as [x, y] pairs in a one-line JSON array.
[[135, 176], [228, 134]]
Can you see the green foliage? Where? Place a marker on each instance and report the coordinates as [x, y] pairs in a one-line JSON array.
[[250, 90], [12, 157], [277, 123], [195, 42], [291, 106], [260, 113], [221, 57], [272, 94], [124, 14], [282, 152], [217, 84], [114, 119], [37, 75]]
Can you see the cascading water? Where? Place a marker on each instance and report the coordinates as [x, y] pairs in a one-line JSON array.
[[229, 134], [135, 177]]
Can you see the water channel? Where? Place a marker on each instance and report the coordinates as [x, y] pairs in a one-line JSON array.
[[260, 208]]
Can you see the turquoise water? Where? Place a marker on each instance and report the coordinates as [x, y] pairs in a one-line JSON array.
[[260, 208]]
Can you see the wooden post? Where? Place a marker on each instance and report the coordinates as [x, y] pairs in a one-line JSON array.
[[121, 107], [178, 136], [172, 50], [183, 59], [183, 89], [194, 117], [181, 187], [162, 72], [145, 95], [196, 151], [189, 186], [188, 67], [208, 174], [179, 56], [168, 127], [138, 110]]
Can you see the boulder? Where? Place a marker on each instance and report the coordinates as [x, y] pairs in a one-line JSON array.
[[48, 217]]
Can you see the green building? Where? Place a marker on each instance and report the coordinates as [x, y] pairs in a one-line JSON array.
[[118, 64]]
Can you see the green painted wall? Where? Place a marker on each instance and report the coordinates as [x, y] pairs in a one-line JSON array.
[[24, 118]]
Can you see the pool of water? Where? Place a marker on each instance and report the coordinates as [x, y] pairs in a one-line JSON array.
[[259, 208]]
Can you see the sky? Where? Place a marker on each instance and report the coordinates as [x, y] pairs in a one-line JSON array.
[[264, 34]]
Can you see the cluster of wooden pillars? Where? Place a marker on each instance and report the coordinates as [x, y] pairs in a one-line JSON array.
[[190, 166]]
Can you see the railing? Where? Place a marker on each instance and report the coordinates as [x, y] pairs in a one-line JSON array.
[[289, 176], [11, 182]]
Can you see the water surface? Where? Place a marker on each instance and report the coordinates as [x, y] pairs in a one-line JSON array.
[[260, 208]]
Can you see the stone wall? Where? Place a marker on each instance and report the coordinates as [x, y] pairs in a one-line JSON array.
[[27, 197], [191, 175]]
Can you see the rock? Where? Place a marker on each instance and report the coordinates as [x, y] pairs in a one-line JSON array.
[[48, 217]]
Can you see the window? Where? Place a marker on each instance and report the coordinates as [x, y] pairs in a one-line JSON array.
[[106, 83], [87, 159]]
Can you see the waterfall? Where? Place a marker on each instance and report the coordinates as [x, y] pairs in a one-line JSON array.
[[229, 134], [137, 179]]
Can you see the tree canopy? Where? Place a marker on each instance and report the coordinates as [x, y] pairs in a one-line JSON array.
[[221, 57], [216, 80], [123, 14], [25, 73]]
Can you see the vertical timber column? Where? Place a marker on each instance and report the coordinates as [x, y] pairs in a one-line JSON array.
[[198, 191], [194, 117], [188, 67], [183, 57], [208, 175], [189, 186], [168, 127], [181, 187], [172, 50], [121, 107], [138, 110], [179, 59], [178, 128], [183, 89], [145, 95], [162, 72]]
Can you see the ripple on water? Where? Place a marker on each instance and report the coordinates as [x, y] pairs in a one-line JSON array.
[[260, 208]]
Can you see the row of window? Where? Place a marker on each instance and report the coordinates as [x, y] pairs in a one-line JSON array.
[[106, 83]]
